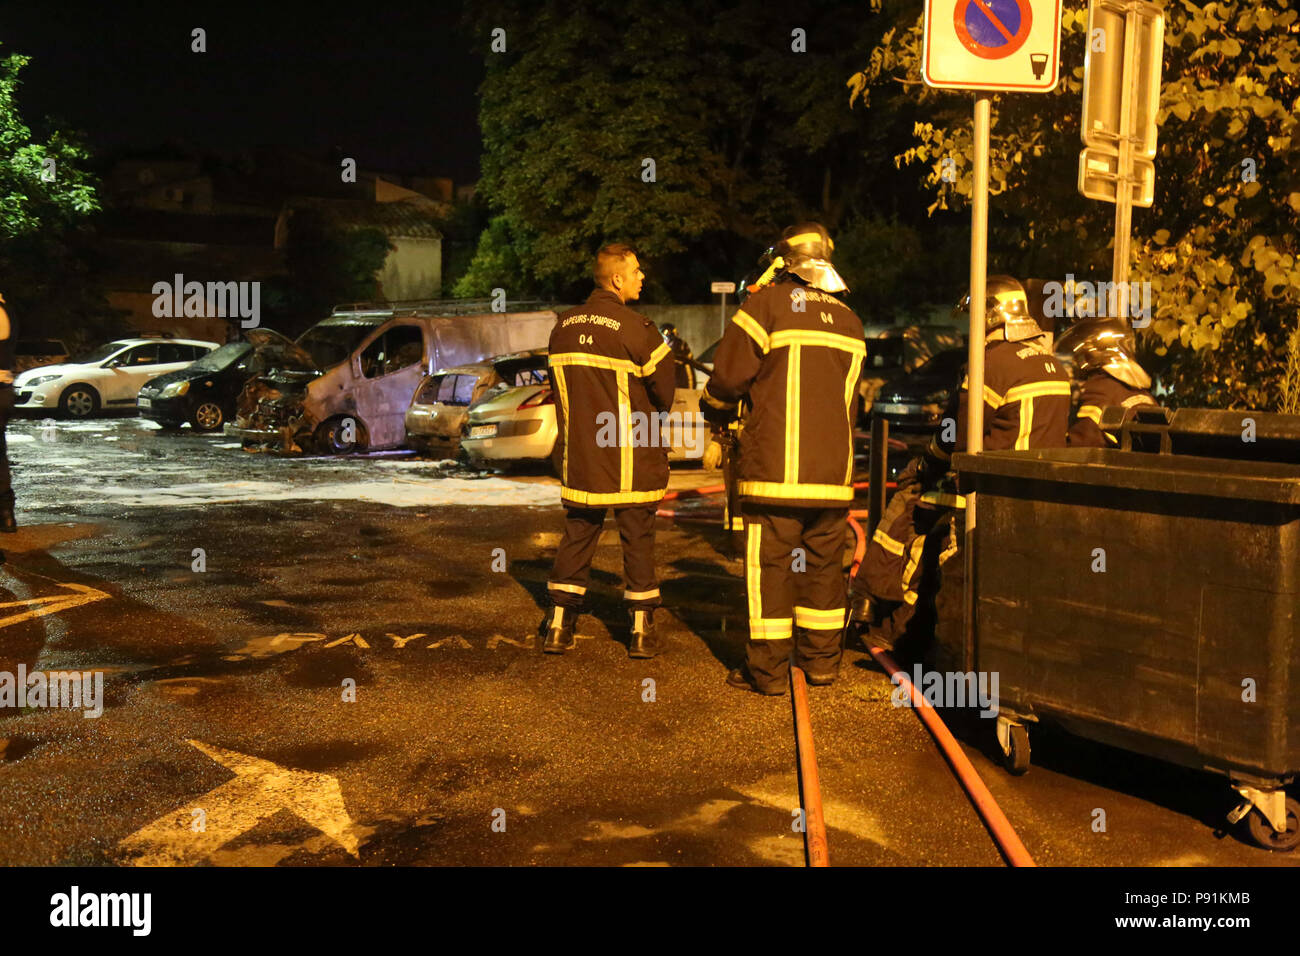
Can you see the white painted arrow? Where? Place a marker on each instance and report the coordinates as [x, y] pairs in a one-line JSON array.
[[53, 603], [260, 790]]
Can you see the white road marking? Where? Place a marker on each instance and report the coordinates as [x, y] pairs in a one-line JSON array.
[[259, 790]]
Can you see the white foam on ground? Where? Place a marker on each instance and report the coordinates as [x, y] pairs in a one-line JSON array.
[[401, 493]]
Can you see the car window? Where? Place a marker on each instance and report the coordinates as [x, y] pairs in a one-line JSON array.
[[142, 355], [168, 352], [447, 389], [400, 347], [429, 391], [464, 389], [531, 376]]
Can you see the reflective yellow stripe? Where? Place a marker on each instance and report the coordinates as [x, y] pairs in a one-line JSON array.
[[656, 357], [792, 391], [803, 237], [776, 489], [752, 329], [1026, 423], [1091, 411], [850, 388], [753, 537], [909, 596], [737, 523], [624, 434], [913, 558], [888, 543], [571, 588], [771, 629], [594, 498], [1133, 400], [1110, 437], [558, 374], [640, 595], [1036, 390], [943, 498], [587, 360], [831, 340], [816, 620], [990, 397]]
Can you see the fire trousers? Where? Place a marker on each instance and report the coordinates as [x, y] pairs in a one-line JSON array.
[[794, 580], [636, 529]]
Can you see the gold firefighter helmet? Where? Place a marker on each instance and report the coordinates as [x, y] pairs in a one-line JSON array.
[[1006, 307], [1106, 345], [805, 249]]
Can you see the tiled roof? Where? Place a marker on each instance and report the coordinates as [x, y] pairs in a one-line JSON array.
[[398, 219]]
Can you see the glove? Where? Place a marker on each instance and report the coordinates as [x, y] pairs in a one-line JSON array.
[[713, 456]]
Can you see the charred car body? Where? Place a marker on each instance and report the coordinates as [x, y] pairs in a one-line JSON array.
[[346, 383]]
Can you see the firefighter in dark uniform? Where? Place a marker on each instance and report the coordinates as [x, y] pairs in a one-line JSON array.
[[1026, 405], [7, 401], [1103, 351], [612, 374], [793, 353]]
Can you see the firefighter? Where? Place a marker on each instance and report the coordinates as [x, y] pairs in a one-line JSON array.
[[613, 376], [793, 353], [687, 364], [1026, 405], [1102, 351]]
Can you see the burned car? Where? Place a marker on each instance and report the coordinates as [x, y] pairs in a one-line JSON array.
[[438, 412], [346, 383]]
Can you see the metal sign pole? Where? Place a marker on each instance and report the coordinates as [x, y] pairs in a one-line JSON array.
[[979, 224], [1123, 185]]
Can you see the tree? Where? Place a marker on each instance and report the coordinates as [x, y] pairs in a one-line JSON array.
[[1219, 246], [46, 199], [695, 132]]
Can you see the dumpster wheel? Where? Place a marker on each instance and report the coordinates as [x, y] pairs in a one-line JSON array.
[[1264, 834], [1013, 738]]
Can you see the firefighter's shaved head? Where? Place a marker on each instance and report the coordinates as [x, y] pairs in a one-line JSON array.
[[618, 271]]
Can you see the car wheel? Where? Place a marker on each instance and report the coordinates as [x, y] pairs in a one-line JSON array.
[[79, 401], [207, 417], [341, 436]]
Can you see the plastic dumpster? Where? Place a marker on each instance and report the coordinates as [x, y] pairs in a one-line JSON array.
[[1148, 601]]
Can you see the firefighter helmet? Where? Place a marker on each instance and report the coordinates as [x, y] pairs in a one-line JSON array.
[[805, 249], [1006, 307], [1106, 345]]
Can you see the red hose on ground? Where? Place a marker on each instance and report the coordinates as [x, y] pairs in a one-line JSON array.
[[999, 827], [814, 836]]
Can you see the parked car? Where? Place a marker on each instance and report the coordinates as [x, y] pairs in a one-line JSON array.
[[203, 393], [108, 377], [916, 401], [33, 353], [347, 382], [896, 352], [519, 424], [438, 411]]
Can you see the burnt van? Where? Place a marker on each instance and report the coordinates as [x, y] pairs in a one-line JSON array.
[[345, 384]]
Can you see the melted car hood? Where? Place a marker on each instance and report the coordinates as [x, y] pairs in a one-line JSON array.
[[271, 339]]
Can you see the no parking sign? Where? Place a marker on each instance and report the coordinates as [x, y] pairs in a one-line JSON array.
[[1011, 45]]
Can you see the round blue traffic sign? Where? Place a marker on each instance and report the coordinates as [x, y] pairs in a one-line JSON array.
[[993, 29]]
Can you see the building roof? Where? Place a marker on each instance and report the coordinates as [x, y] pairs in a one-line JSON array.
[[402, 219]]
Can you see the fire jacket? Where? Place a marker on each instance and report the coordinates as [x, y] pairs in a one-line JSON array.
[[796, 353], [1026, 402], [612, 374], [1101, 390]]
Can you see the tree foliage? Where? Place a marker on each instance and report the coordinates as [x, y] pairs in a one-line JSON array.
[[746, 133], [1219, 246]]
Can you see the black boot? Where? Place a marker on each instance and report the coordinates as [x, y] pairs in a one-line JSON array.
[[644, 642], [7, 523], [558, 625], [859, 619]]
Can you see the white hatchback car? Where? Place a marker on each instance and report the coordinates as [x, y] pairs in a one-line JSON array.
[[108, 377]]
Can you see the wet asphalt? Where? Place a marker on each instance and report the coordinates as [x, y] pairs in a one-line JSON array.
[[355, 679]]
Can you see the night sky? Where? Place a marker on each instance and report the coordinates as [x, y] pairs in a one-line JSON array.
[[395, 89]]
